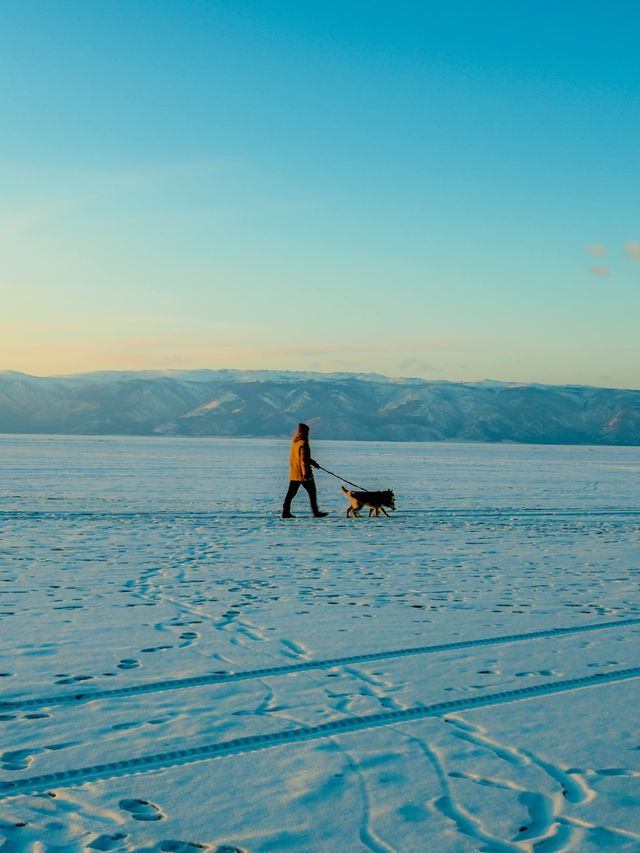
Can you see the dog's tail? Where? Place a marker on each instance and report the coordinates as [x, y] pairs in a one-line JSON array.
[[346, 491]]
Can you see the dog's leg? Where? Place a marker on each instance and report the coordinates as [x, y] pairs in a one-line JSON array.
[[385, 512]]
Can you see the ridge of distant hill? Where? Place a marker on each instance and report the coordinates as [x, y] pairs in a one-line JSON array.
[[338, 406]]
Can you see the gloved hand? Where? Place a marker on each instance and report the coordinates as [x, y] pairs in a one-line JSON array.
[[314, 464]]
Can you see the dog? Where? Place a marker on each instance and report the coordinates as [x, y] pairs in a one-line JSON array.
[[376, 501]]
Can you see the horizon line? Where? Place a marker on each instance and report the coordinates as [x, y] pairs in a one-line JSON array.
[[330, 373]]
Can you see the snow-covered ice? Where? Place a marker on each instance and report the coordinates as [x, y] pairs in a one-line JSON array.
[[184, 670]]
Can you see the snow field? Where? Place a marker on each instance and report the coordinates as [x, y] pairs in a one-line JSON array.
[[184, 670]]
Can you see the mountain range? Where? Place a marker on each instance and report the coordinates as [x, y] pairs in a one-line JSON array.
[[336, 405]]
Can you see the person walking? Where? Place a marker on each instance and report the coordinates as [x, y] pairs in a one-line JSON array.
[[301, 473]]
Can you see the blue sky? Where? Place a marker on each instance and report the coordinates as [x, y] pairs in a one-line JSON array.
[[427, 189]]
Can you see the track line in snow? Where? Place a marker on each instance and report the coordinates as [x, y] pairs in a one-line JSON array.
[[473, 512], [253, 743], [302, 666]]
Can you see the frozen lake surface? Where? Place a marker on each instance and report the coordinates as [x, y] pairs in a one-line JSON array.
[[183, 670]]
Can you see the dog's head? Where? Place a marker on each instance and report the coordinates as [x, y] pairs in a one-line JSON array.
[[388, 499]]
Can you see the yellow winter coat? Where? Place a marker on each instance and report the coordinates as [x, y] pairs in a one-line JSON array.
[[300, 459]]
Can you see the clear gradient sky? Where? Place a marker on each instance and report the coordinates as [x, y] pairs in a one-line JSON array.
[[439, 189]]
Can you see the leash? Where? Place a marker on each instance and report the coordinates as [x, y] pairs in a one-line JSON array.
[[360, 488]]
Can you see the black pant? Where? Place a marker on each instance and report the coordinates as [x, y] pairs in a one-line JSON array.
[[294, 485]]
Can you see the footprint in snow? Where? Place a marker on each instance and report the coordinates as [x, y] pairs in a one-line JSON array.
[[18, 759], [544, 672], [72, 679], [141, 809], [107, 842], [294, 650]]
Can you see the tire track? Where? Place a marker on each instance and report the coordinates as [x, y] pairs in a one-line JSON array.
[[252, 743], [288, 669]]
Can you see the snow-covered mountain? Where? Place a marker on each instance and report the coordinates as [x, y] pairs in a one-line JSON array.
[[338, 405]]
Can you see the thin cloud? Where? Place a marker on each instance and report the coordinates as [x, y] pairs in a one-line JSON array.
[[416, 365], [91, 187], [632, 250], [15, 223], [598, 250], [600, 270]]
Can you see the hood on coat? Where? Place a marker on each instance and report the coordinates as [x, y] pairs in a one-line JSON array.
[[301, 433]]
